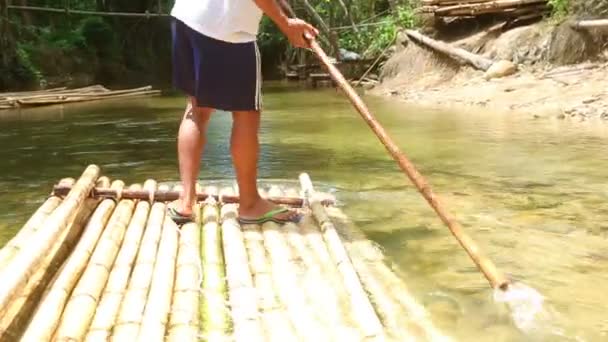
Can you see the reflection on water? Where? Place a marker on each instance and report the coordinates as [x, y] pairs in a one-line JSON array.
[[531, 193]]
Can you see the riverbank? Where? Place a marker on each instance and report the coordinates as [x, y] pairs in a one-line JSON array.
[[561, 73], [574, 92]]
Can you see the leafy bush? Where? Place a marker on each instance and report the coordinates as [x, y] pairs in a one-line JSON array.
[[24, 70], [98, 35], [559, 8], [373, 39]]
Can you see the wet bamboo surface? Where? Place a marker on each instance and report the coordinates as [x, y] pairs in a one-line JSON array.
[[122, 270]]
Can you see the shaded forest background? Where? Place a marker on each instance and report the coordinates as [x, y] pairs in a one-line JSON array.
[[41, 49]]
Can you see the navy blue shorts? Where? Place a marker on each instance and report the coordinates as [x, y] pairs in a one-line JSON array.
[[219, 74]]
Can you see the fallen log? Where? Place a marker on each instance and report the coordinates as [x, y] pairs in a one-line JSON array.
[[493, 5], [586, 24], [511, 11], [450, 2], [477, 61]]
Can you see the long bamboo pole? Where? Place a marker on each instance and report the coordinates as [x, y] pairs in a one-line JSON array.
[[31, 226], [46, 319], [213, 308], [81, 307], [364, 312], [109, 304], [13, 323], [134, 302], [166, 196], [17, 273], [241, 292], [495, 278]]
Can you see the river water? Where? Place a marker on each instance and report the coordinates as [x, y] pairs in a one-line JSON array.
[[531, 193]]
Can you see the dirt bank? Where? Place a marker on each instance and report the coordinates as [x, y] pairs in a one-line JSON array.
[[562, 73]]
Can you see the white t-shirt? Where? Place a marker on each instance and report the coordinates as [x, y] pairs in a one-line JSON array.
[[235, 21]]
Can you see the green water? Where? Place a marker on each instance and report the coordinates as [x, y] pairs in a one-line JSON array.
[[531, 193]]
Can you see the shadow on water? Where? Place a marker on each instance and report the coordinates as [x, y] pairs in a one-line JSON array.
[[531, 193]]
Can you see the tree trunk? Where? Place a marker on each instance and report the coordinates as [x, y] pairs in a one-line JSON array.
[[393, 4], [349, 15], [7, 50], [323, 26], [25, 15]]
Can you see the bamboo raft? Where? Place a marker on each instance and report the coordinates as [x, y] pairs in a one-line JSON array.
[[100, 261], [63, 96]]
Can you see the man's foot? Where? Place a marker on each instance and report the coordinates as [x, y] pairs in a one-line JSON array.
[[180, 214], [264, 211]]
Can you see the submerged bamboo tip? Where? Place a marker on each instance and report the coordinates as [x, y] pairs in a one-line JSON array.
[[103, 181]]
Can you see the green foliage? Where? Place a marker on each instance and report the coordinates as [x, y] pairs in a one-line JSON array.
[[559, 8], [24, 70], [373, 39], [97, 33], [270, 37], [66, 40]]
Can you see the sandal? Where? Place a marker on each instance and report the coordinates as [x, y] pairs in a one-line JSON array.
[[270, 217], [178, 217]]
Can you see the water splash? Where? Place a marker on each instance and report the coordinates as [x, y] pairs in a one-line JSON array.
[[525, 304], [531, 314]]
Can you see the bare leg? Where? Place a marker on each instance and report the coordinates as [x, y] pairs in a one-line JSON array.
[[191, 141], [245, 149]]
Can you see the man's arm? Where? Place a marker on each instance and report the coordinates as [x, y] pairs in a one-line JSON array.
[[297, 31]]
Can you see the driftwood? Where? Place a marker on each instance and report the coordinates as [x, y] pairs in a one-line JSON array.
[[475, 60], [586, 24]]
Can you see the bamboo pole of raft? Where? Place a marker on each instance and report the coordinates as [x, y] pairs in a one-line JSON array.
[[167, 196], [241, 292], [184, 320], [109, 304], [12, 323], [328, 297], [46, 318], [364, 312], [132, 307], [391, 297], [275, 320], [81, 307], [17, 273], [297, 292], [213, 309], [158, 305], [31, 226], [318, 249], [494, 277]]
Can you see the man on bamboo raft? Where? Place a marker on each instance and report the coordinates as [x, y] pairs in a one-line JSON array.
[[216, 63]]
